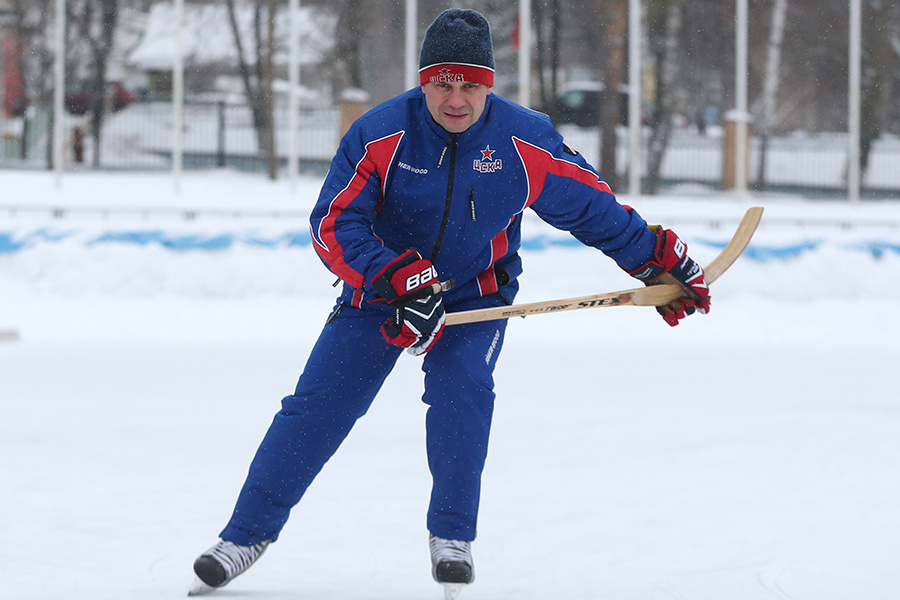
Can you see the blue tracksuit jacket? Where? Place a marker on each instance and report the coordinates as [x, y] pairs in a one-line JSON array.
[[401, 181]]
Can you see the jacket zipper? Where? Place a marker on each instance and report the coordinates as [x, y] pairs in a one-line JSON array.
[[451, 144]]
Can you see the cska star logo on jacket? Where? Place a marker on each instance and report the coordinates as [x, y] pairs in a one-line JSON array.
[[487, 163]]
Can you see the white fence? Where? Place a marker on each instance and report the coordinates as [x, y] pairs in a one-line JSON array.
[[217, 134], [139, 137]]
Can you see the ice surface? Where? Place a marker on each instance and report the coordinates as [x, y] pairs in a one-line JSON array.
[[751, 453]]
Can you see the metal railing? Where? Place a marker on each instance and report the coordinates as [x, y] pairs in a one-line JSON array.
[[809, 164], [221, 134], [139, 137]]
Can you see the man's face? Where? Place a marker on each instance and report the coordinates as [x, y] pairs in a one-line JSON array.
[[455, 106]]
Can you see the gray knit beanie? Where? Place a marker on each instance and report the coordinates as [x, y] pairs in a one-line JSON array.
[[457, 47]]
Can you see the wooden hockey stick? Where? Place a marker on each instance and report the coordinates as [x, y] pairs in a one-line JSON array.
[[653, 295]]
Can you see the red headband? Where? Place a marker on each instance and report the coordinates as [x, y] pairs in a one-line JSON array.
[[450, 72]]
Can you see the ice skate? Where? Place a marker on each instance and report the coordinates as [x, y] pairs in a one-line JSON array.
[[223, 562], [451, 565]]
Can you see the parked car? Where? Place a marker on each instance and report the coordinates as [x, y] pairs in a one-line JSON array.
[[81, 96], [580, 103]]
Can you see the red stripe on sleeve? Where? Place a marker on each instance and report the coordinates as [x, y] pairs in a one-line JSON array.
[[539, 163], [377, 160]]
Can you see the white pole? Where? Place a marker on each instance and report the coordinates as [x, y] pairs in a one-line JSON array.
[[293, 91], [743, 117], [853, 119], [634, 97], [524, 52], [59, 86], [411, 33], [178, 98]]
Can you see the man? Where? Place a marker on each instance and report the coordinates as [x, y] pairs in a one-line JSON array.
[[432, 185]]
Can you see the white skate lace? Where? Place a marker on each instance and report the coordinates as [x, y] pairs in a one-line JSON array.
[[236, 559], [449, 550]]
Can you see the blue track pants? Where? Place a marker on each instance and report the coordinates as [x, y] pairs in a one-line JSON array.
[[345, 371]]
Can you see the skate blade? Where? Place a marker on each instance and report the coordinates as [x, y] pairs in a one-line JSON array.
[[198, 588], [452, 590]]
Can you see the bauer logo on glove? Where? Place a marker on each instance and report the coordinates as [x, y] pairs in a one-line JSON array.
[[417, 280]]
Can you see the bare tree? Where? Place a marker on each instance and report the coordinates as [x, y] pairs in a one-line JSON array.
[[268, 76], [349, 44], [771, 82], [548, 25], [257, 77], [615, 41], [664, 110], [94, 24], [881, 62]]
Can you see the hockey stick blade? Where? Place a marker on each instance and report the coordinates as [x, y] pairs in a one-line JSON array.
[[736, 246], [653, 295]]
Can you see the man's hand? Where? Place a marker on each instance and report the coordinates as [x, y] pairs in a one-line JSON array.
[[404, 275], [417, 323], [670, 263]]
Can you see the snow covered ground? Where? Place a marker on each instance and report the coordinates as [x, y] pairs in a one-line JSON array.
[[751, 453]]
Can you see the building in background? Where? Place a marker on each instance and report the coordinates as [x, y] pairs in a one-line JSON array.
[[12, 50], [211, 56]]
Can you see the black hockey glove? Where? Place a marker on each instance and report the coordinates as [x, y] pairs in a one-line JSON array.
[[418, 321], [416, 325]]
